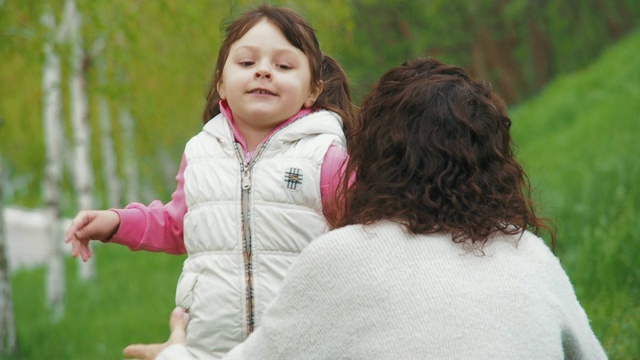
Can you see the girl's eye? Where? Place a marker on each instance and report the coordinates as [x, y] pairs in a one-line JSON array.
[[285, 67], [246, 63]]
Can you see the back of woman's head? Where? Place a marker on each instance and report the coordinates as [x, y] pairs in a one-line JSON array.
[[294, 28], [432, 150], [336, 94]]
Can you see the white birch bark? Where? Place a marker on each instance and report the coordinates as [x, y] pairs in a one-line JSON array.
[[52, 121], [8, 339], [83, 170], [129, 156]]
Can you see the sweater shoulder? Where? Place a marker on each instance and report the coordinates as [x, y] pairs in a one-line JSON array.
[[358, 238], [331, 247], [342, 238]]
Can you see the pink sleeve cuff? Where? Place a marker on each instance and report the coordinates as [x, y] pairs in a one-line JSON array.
[[130, 228]]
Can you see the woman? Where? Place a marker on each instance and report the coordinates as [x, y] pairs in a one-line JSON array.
[[435, 254]]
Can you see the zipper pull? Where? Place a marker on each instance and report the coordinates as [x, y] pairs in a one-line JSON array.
[[246, 182]]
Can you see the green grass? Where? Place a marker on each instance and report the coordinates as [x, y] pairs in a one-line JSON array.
[[129, 302], [578, 142]]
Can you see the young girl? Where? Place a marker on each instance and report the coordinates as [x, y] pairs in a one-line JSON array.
[[253, 187], [436, 255]]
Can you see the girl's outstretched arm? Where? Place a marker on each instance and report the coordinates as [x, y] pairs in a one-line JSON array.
[[156, 227], [90, 225]]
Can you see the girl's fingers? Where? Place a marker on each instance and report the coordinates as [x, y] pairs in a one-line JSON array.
[[75, 248], [80, 249], [76, 224], [85, 252], [71, 232]]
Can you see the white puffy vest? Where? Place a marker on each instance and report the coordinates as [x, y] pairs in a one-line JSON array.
[[241, 242]]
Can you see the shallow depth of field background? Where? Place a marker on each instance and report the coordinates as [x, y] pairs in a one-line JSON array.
[[569, 72]]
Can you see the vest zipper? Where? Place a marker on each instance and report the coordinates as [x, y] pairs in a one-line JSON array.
[[246, 239]]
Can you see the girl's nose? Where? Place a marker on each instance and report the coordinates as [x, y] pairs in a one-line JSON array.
[[263, 70], [263, 73]]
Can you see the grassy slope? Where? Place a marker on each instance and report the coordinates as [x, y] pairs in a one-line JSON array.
[[577, 140]]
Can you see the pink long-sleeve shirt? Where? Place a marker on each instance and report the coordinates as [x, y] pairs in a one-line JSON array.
[[159, 227]]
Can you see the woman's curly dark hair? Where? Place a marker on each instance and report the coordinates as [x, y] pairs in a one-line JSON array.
[[432, 150]]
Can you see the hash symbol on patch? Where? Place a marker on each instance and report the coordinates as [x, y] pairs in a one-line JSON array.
[[293, 179]]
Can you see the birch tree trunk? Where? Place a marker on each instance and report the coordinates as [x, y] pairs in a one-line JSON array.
[[53, 126], [129, 158], [83, 170], [8, 339]]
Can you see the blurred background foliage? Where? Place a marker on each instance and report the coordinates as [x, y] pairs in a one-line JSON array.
[[160, 55], [568, 70]]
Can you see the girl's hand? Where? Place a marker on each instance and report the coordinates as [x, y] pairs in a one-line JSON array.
[[91, 225]]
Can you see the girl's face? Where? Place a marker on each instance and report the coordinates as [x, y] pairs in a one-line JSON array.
[[265, 79]]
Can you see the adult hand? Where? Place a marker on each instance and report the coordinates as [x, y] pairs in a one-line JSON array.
[[91, 225], [177, 324]]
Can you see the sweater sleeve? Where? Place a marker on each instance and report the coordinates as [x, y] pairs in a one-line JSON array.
[[330, 176], [157, 227], [182, 352], [578, 339]]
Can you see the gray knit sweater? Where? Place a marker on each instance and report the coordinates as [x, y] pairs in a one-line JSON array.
[[377, 292]]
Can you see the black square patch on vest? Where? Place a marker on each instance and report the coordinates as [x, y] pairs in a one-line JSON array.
[[293, 179]]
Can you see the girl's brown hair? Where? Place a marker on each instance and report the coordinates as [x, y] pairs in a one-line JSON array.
[[336, 94], [301, 35], [432, 150]]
